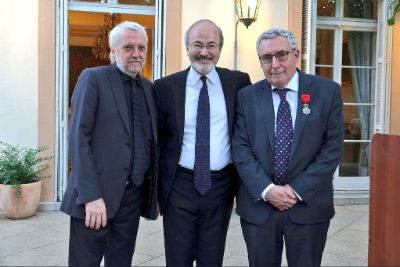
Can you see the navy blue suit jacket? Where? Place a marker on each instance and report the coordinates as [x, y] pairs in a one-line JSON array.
[[315, 153]]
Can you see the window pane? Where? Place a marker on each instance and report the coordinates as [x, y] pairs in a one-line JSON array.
[[364, 9], [358, 48], [91, 1], [324, 54], [357, 85], [137, 2], [326, 72], [357, 123], [347, 87], [326, 8], [355, 160]]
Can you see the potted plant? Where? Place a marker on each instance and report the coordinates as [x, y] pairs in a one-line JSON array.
[[21, 172]]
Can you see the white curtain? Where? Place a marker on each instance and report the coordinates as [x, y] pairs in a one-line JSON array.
[[362, 54]]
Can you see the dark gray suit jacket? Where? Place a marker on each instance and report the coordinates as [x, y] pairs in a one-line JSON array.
[[315, 153], [101, 139], [170, 98]]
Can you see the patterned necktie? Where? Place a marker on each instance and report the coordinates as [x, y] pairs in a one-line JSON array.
[[202, 181], [283, 137]]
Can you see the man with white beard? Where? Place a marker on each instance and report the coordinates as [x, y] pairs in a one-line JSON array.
[[197, 178]]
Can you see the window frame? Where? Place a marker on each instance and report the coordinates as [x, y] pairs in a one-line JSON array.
[[62, 69], [380, 115]]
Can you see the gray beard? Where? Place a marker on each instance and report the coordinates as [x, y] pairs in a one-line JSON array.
[[200, 69], [127, 70]]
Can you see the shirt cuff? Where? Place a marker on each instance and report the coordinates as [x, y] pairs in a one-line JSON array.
[[297, 195], [264, 193]]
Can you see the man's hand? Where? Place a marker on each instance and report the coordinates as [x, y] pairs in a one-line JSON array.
[[282, 197], [291, 189], [96, 214]]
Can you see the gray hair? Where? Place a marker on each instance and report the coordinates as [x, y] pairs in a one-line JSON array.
[[221, 36], [274, 32], [115, 34]]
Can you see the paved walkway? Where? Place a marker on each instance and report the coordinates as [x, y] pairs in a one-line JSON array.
[[43, 240]]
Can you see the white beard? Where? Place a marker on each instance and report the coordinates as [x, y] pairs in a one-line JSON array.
[[128, 70], [202, 69]]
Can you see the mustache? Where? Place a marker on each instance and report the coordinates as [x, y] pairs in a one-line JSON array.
[[203, 57], [136, 60]]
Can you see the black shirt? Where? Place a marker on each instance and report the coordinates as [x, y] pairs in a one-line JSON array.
[[130, 86]]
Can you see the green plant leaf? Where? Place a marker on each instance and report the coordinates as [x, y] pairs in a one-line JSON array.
[[22, 165], [397, 8], [392, 20]]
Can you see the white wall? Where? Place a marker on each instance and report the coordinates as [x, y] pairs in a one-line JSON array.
[[273, 13], [19, 72]]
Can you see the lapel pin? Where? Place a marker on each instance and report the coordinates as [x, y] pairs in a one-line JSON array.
[[305, 99]]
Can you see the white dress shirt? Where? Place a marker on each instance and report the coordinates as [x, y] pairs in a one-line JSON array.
[[291, 98], [220, 148]]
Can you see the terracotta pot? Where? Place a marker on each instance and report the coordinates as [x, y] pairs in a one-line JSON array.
[[23, 206]]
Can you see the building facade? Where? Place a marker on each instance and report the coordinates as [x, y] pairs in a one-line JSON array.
[[46, 43]]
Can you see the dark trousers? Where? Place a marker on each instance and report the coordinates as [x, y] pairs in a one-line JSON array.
[[116, 241], [195, 226], [304, 243]]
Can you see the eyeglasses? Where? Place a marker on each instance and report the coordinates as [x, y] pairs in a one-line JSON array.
[[280, 56], [199, 46]]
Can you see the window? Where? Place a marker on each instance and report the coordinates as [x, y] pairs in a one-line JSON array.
[[123, 2], [344, 50]]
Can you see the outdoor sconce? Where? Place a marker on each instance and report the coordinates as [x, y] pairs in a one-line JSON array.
[[247, 11]]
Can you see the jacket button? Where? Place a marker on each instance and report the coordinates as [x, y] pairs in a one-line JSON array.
[[128, 144]]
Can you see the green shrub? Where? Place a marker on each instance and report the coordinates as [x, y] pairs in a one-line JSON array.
[[22, 165]]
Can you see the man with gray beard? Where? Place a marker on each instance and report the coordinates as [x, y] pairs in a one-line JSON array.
[[197, 178], [112, 144]]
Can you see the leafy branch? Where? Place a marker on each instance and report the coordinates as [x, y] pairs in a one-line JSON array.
[[391, 21], [22, 165]]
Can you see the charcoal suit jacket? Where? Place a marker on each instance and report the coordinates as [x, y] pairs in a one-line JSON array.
[[101, 141], [314, 156]]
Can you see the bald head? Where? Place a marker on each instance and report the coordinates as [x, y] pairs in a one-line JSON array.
[[200, 23]]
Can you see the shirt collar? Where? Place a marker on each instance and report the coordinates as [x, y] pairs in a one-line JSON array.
[[194, 76], [293, 83], [125, 78]]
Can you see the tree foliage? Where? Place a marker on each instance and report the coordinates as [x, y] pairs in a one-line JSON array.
[[391, 21]]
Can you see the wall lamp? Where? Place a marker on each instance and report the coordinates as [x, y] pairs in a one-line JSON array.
[[247, 11]]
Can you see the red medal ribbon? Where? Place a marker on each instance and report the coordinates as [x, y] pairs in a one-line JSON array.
[[305, 98]]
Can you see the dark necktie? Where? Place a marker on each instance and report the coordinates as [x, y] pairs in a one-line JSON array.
[[202, 180], [283, 137]]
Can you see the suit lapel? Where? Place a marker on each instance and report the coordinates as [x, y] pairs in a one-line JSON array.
[[266, 107], [119, 96], [305, 87], [229, 89], [179, 93]]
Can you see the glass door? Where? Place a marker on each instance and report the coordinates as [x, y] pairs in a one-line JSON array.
[[83, 33]]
